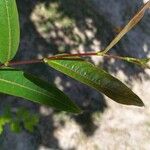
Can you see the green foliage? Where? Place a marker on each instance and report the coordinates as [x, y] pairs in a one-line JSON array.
[[18, 120], [97, 78], [29, 120], [9, 30], [141, 62], [17, 83]]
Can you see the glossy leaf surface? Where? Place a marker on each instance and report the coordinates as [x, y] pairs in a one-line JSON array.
[[9, 30], [18, 83], [97, 78]]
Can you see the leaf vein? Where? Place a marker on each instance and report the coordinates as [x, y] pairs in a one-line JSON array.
[[22, 86], [9, 30]]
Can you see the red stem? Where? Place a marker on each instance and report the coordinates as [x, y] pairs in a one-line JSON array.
[[15, 63]]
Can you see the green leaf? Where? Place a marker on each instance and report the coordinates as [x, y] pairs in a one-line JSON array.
[[9, 30], [15, 126], [29, 119], [31, 122], [18, 83], [97, 78], [3, 121], [143, 62]]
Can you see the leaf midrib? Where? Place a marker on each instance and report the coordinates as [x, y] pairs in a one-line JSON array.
[[9, 30], [22, 86], [84, 77]]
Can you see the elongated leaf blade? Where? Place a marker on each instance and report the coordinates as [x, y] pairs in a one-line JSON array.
[[9, 30], [18, 83], [138, 16], [97, 78]]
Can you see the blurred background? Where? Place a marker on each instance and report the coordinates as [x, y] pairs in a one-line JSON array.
[[49, 27]]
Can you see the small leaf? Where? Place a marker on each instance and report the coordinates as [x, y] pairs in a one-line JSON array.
[[28, 119], [3, 121], [31, 122], [18, 83], [143, 62], [9, 30], [15, 126], [97, 78]]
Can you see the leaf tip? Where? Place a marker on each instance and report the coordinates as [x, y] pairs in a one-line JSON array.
[[76, 110], [139, 102]]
